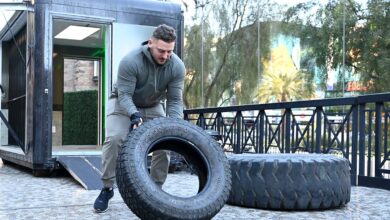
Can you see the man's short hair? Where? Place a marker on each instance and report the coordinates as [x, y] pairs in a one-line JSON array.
[[165, 33]]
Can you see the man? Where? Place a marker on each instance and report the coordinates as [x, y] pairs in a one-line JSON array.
[[146, 77]]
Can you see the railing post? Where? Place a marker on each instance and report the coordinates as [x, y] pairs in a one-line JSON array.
[[287, 132], [355, 122], [378, 137], [281, 132], [261, 130], [237, 147], [318, 130], [219, 123], [362, 135], [369, 143], [201, 121]]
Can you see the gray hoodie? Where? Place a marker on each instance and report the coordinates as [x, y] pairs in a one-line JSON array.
[[143, 83]]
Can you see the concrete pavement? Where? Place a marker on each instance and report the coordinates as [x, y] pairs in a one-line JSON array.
[[23, 196]]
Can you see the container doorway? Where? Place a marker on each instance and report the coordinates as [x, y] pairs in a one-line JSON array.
[[78, 82], [76, 121]]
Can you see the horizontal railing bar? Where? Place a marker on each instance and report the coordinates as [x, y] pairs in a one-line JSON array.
[[382, 97], [273, 106]]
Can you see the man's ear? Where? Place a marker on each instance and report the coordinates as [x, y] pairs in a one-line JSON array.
[[150, 43]]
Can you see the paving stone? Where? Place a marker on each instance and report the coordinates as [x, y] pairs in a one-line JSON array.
[[23, 196]]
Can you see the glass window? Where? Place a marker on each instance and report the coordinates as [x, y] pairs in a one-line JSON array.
[[243, 52]]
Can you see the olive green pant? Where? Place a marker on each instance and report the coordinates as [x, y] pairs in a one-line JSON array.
[[117, 128]]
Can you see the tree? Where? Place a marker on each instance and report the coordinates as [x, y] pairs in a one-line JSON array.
[[192, 59], [367, 38], [229, 17], [370, 47], [232, 30], [230, 53]]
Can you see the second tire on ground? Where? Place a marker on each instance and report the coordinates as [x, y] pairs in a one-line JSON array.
[[289, 181]]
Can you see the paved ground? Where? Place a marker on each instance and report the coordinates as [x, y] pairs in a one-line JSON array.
[[23, 196]]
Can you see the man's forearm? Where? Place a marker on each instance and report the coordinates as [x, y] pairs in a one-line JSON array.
[[126, 103], [175, 108]]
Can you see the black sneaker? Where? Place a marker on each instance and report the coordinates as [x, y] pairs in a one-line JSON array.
[[101, 202]]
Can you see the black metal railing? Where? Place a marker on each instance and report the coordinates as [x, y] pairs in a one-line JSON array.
[[355, 128]]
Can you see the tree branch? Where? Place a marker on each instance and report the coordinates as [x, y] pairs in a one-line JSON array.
[[230, 43]]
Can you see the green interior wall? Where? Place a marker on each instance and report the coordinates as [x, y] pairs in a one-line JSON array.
[[80, 116], [80, 109]]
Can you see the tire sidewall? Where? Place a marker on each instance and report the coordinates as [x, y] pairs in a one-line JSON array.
[[218, 180]]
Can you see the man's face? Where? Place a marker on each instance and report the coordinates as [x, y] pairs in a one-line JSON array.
[[161, 51]]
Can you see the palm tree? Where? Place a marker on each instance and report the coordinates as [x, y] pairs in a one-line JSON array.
[[282, 81]]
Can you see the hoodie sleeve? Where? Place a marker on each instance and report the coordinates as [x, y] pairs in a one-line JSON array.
[[127, 79], [175, 91]]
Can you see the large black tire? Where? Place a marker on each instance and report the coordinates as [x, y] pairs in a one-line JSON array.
[[145, 198], [289, 181], [6, 162]]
